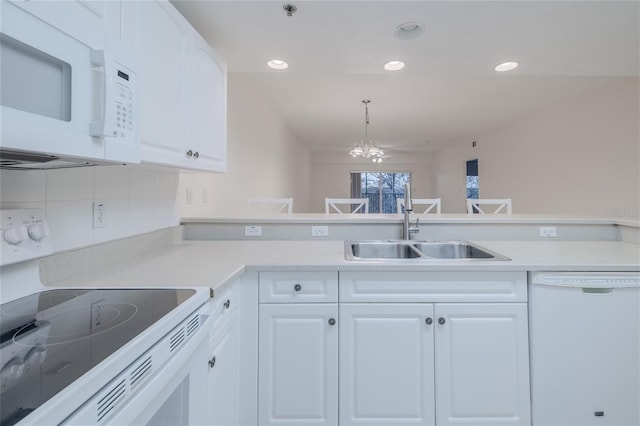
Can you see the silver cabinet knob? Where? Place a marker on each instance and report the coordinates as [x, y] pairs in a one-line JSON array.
[[297, 287], [196, 154], [212, 362], [332, 321], [189, 153], [441, 321], [429, 321], [227, 304]]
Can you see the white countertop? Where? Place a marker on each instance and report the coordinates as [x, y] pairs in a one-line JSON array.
[[215, 263]]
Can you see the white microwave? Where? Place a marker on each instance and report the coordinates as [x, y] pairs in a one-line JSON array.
[[62, 98]]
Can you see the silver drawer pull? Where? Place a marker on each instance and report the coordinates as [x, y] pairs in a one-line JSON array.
[[297, 287], [332, 321], [212, 362]]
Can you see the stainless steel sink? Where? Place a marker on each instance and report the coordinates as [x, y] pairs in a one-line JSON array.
[[418, 250], [382, 250], [455, 250]]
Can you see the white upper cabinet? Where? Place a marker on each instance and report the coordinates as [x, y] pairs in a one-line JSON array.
[[161, 38], [207, 136], [181, 87], [85, 21]]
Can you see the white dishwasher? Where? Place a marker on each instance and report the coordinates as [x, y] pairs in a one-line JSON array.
[[584, 334]]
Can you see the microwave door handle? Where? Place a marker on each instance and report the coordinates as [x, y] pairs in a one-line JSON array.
[[99, 95]]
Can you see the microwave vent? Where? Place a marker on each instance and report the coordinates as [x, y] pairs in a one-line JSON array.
[[19, 160]]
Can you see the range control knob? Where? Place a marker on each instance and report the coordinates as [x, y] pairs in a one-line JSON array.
[[13, 369], [36, 355], [15, 234], [38, 231]]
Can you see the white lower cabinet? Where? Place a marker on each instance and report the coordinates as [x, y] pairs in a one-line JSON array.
[[386, 364], [223, 379], [392, 354], [298, 364], [482, 364], [418, 348]]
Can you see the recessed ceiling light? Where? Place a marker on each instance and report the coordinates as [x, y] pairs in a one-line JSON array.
[[277, 64], [506, 66], [394, 65], [408, 30]]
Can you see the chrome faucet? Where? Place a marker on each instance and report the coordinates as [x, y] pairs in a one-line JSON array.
[[407, 229]]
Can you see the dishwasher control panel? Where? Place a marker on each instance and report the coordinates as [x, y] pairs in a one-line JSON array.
[[587, 279], [25, 235]]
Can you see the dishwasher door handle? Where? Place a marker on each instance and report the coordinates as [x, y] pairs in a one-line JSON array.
[[597, 290]]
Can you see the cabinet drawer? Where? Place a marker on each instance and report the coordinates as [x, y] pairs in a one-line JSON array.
[[298, 287], [463, 286]]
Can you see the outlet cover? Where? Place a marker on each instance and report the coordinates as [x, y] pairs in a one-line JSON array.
[[253, 231], [99, 215], [548, 232], [319, 231]]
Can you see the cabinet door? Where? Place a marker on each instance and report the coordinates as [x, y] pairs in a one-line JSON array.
[[223, 395], [298, 364], [83, 20], [482, 364], [207, 109], [386, 364], [161, 39]]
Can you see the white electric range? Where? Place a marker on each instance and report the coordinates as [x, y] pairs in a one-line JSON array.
[[94, 356]]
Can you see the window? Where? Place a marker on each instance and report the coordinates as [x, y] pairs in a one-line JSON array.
[[472, 179], [381, 188]]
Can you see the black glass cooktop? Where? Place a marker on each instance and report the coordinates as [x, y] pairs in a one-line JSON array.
[[49, 339]]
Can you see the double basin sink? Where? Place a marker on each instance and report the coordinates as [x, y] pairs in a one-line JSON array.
[[418, 250]]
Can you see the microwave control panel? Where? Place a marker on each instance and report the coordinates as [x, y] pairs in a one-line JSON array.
[[121, 113], [115, 109]]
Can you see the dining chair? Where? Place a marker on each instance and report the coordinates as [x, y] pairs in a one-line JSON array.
[[356, 205], [429, 205], [271, 205], [499, 205]]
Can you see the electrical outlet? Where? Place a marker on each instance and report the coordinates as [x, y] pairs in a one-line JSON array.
[[99, 215], [319, 231], [548, 232], [253, 231], [189, 196]]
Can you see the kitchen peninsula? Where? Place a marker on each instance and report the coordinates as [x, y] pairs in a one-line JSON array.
[[286, 276]]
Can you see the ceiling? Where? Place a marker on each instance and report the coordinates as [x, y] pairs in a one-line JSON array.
[[448, 92]]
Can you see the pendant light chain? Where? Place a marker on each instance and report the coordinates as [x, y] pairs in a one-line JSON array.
[[366, 119]]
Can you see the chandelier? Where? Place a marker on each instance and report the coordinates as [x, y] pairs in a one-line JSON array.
[[367, 148]]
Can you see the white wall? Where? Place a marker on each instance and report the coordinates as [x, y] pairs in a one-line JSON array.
[[581, 156], [330, 175], [265, 160], [137, 200]]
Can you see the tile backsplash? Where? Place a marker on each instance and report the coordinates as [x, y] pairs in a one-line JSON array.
[[137, 200]]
